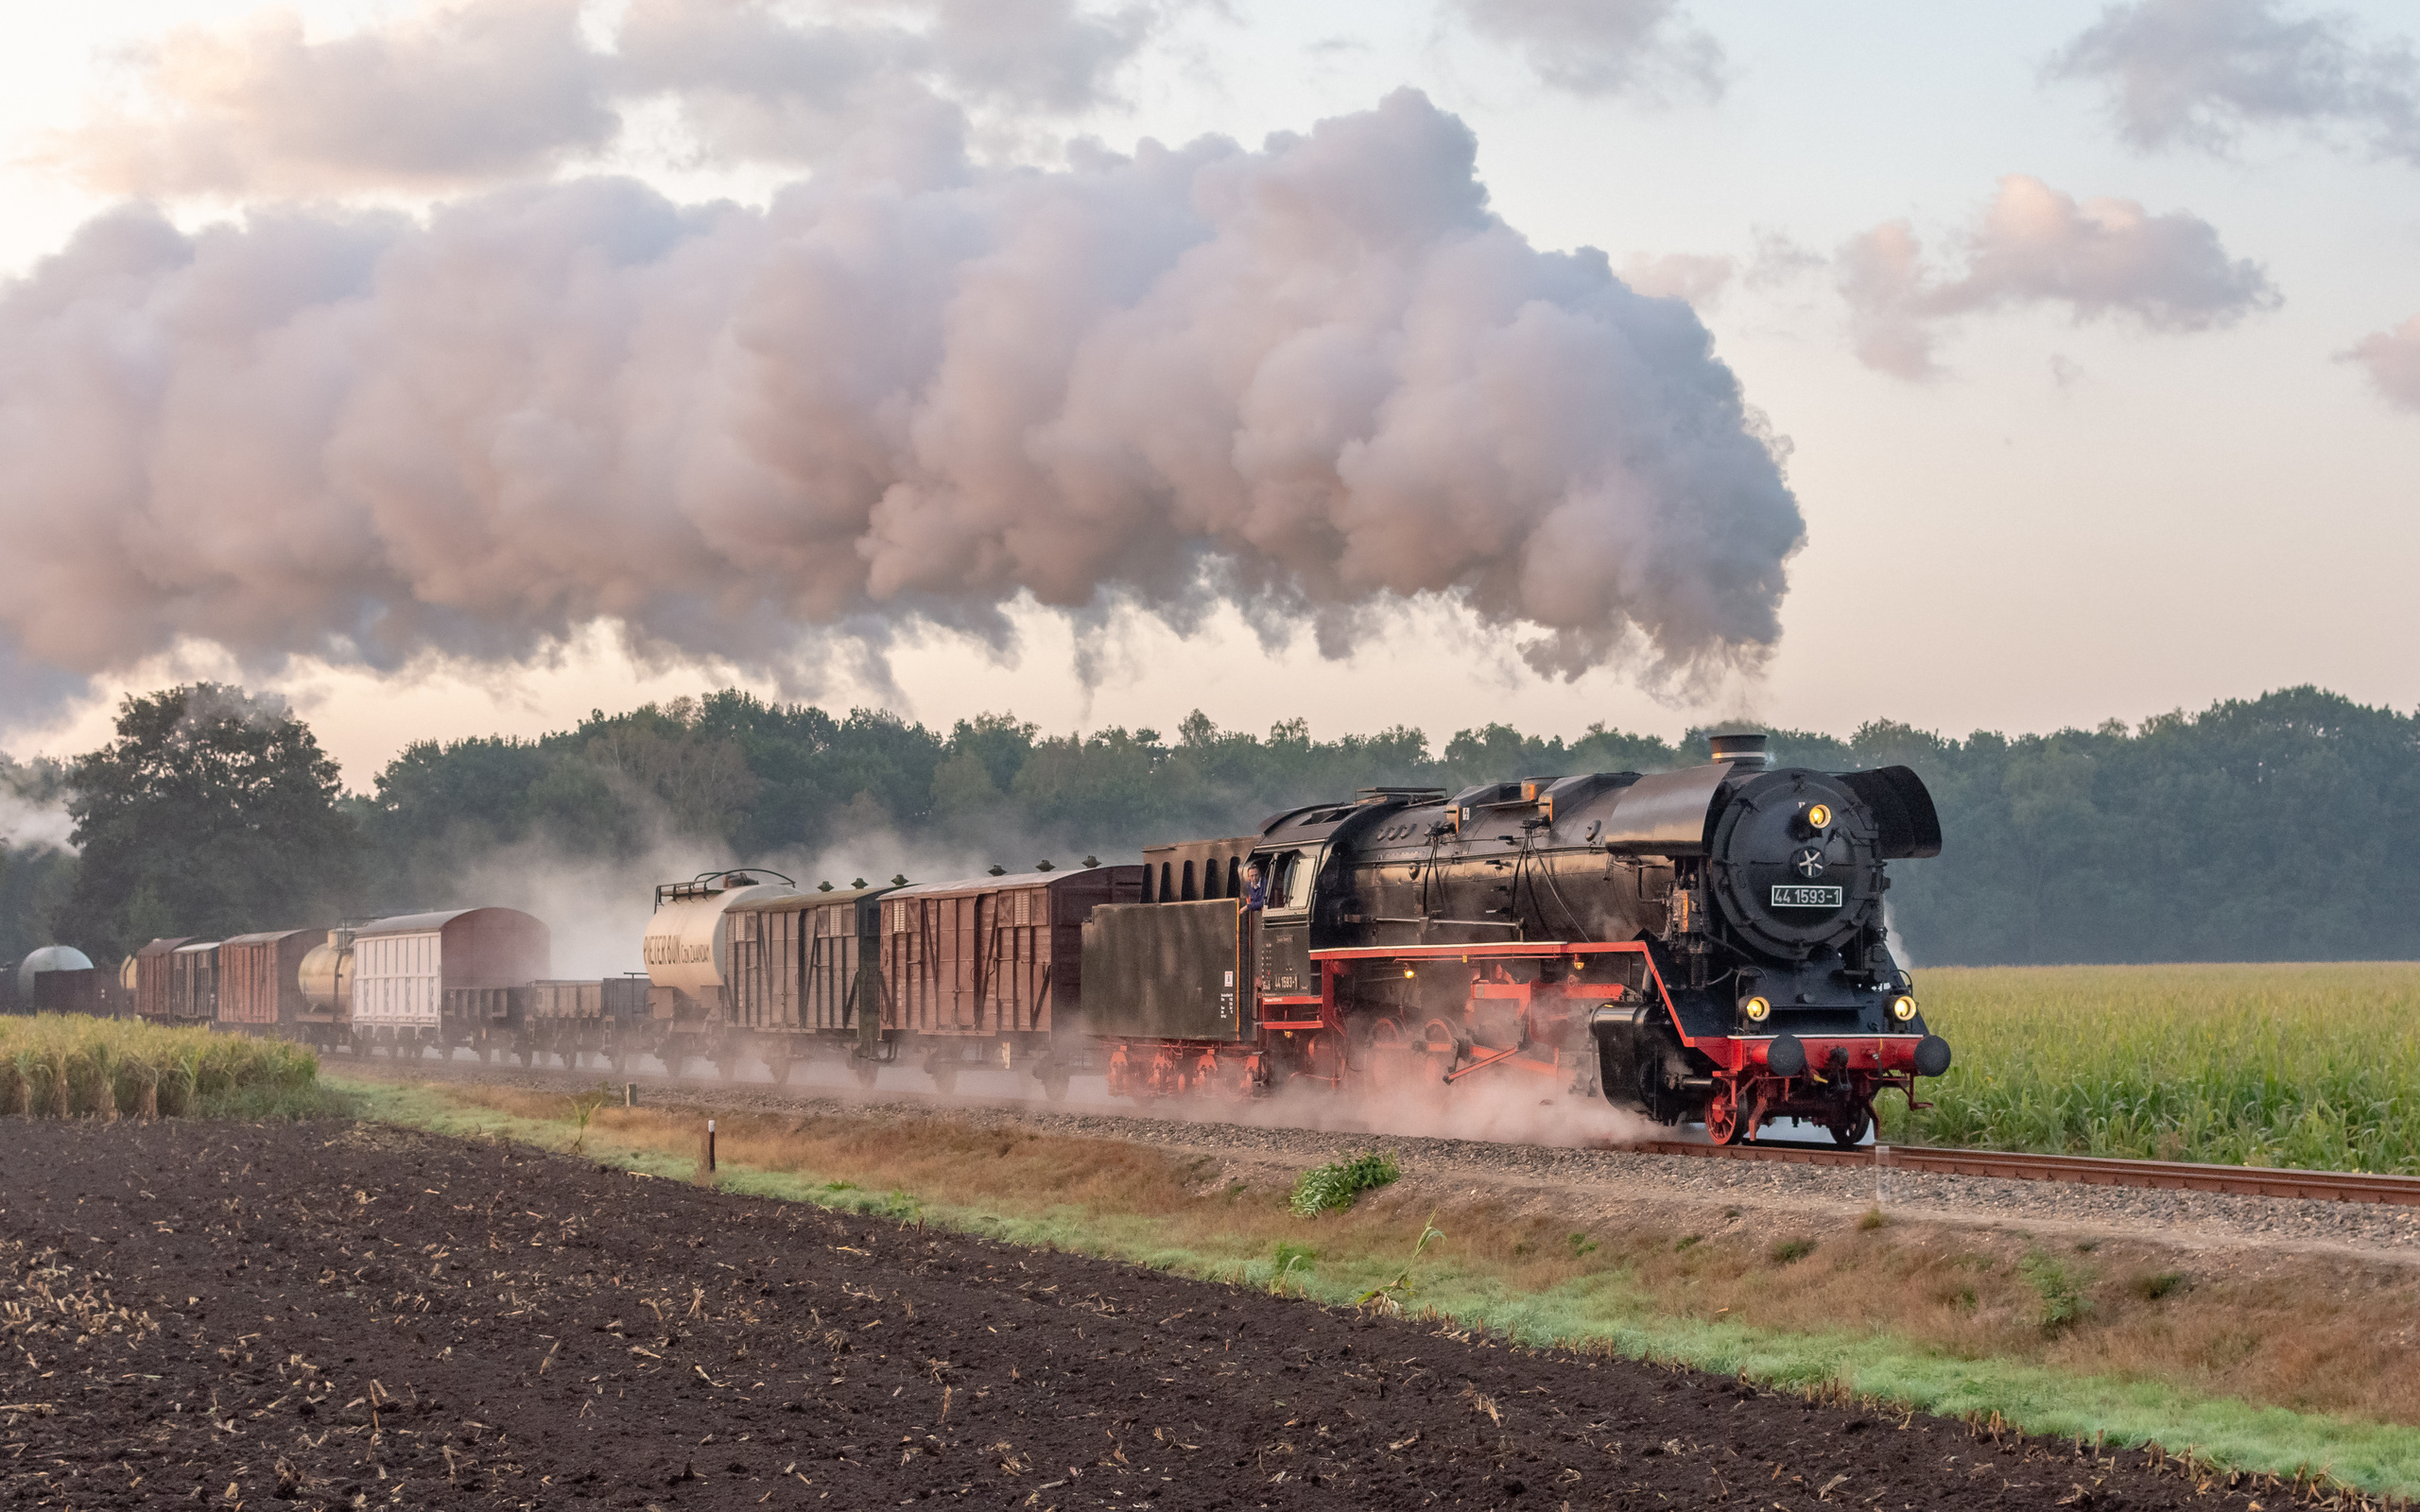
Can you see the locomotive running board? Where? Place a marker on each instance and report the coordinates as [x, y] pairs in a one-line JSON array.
[[1332, 962]]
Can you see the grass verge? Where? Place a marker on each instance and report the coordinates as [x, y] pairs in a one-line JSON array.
[[67, 1065], [2287, 1372]]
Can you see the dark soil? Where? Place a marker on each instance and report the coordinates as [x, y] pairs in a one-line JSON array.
[[323, 1315]]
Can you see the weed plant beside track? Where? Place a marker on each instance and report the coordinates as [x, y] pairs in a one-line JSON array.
[[2315, 1067], [66, 1065]]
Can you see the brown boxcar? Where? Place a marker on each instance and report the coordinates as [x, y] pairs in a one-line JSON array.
[[259, 978], [807, 964], [192, 982], [154, 984], [994, 957]]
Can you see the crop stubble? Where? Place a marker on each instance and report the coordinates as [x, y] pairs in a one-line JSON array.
[[320, 1315]]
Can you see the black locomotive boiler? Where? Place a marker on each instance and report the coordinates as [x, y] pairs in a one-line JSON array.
[[1700, 945]]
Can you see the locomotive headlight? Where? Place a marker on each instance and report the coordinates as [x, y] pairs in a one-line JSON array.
[[1820, 817], [1757, 1009], [1903, 1009]]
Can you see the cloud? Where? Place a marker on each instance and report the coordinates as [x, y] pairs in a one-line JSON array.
[[2037, 246], [480, 92], [1314, 380], [1593, 47], [2200, 72], [2393, 358]]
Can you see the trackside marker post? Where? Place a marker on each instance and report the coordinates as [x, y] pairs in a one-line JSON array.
[[706, 1154]]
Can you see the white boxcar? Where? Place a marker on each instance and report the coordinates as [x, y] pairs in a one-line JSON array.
[[413, 973]]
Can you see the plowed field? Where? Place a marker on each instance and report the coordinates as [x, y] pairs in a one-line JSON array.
[[329, 1316]]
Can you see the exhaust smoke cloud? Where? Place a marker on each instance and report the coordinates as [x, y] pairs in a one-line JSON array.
[[1310, 380]]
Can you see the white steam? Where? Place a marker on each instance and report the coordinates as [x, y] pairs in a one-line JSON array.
[[1306, 380]]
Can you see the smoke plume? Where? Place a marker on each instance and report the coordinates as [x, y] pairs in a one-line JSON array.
[[1306, 380]]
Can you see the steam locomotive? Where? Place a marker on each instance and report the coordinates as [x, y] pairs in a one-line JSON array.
[[1706, 945]]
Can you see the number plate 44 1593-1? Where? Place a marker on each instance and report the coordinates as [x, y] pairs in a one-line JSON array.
[[1796, 895]]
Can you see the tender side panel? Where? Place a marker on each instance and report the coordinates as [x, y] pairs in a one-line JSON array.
[[1166, 972]]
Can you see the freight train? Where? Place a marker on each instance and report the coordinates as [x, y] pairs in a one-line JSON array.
[[1706, 945]]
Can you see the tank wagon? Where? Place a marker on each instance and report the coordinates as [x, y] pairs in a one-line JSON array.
[[688, 949], [55, 979]]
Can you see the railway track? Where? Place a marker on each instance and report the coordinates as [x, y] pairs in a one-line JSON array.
[[2172, 1176]]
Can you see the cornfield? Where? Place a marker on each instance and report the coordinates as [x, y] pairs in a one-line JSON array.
[[2315, 1067], [66, 1065]]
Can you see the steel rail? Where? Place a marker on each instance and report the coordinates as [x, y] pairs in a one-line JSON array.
[[2088, 1170]]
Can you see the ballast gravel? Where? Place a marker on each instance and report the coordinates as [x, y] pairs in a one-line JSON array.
[[1598, 1176]]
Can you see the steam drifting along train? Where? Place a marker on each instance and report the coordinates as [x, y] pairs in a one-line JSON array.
[[1705, 945]]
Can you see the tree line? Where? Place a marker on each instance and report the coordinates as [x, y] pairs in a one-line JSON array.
[[2285, 826]]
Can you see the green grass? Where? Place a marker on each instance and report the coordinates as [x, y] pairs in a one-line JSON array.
[[1334, 1188], [1606, 1310], [68, 1065], [2315, 1067]]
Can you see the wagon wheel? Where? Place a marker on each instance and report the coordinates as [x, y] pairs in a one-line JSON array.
[[1849, 1129], [1054, 1084], [864, 1071], [1723, 1124], [779, 1067], [944, 1075]]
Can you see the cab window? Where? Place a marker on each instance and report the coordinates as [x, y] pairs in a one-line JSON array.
[[1283, 880]]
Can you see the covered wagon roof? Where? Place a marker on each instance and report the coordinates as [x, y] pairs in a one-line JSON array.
[[161, 947], [272, 937], [1013, 878], [428, 923], [197, 947]]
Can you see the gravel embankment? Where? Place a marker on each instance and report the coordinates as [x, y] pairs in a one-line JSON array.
[[1601, 1179]]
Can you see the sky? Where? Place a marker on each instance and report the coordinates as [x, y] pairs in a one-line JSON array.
[[458, 368]]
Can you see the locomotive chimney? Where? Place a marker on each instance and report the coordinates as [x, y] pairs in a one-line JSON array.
[[1746, 750]]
